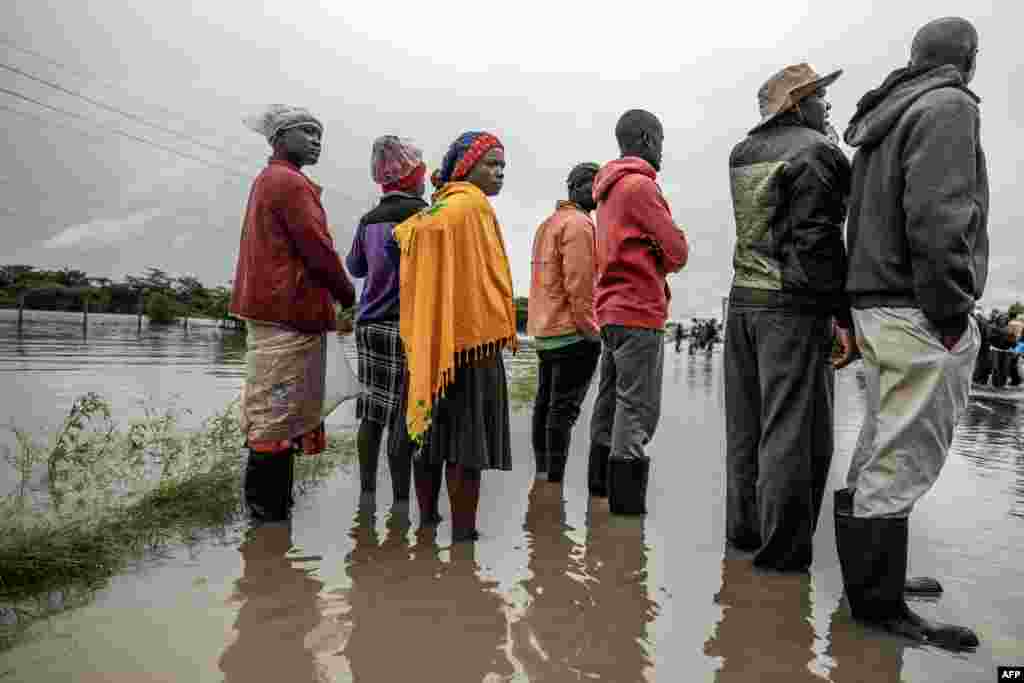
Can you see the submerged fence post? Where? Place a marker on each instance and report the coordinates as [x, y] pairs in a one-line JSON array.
[[140, 310], [21, 309], [85, 313]]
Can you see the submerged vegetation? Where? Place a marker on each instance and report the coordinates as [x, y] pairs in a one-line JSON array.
[[93, 496]]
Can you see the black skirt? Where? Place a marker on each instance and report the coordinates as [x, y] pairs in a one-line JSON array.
[[470, 425]]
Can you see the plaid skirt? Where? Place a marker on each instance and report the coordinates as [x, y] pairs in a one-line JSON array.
[[381, 370]]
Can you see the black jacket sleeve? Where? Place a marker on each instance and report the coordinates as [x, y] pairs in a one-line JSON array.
[[819, 190]]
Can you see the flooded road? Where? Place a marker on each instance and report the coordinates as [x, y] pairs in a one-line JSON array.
[[557, 589]]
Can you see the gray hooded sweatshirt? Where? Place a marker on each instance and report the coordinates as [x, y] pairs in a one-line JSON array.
[[917, 232]]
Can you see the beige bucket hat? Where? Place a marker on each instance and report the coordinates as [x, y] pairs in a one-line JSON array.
[[785, 89]]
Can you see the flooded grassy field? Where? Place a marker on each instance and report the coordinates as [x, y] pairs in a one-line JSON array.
[[557, 589]]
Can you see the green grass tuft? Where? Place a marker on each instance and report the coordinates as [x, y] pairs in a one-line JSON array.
[[113, 495]]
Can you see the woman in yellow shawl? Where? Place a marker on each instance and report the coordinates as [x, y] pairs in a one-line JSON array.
[[457, 315]]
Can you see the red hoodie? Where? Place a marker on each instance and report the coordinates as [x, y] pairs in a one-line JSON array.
[[638, 243]]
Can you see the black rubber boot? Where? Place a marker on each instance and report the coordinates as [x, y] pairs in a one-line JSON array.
[[267, 486], [287, 483], [542, 463], [253, 476], [290, 486], [924, 586], [597, 470], [556, 467], [627, 485], [873, 558]]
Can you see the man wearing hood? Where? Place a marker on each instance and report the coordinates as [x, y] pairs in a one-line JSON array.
[[790, 183], [918, 245], [638, 244]]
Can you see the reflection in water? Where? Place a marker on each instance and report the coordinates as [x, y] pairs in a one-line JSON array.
[[415, 617], [766, 632], [384, 576], [700, 373], [279, 609], [861, 654], [707, 369], [677, 369], [691, 373], [989, 437], [411, 614], [548, 640], [615, 641]]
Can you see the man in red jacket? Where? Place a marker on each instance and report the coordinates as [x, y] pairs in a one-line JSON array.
[[638, 244], [287, 279]]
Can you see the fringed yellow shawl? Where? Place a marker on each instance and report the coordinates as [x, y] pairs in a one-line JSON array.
[[455, 294]]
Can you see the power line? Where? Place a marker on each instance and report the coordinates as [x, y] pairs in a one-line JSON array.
[[48, 122], [135, 117], [91, 75], [142, 120], [119, 111], [110, 108], [116, 131]]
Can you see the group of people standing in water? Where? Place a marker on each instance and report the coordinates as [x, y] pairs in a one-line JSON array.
[[436, 313]]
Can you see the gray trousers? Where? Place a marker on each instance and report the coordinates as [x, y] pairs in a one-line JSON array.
[[916, 391], [628, 403], [779, 386]]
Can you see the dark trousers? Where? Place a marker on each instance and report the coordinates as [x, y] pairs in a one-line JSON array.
[[628, 404], [564, 376], [779, 386]]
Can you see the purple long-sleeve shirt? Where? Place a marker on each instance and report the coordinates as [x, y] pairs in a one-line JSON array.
[[375, 256]]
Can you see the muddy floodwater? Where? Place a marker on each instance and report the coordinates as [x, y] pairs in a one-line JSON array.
[[557, 589]]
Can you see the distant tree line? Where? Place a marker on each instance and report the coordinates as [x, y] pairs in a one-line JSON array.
[[165, 298]]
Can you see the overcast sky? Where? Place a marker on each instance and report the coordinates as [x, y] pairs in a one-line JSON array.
[[550, 79]]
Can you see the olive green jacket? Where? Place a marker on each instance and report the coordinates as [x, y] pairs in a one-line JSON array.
[[790, 186]]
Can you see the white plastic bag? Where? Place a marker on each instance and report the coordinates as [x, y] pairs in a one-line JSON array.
[[342, 384]]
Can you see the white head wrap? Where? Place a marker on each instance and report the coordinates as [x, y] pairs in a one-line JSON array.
[[280, 117]]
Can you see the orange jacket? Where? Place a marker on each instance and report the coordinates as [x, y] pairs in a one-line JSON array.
[[562, 281], [288, 269]]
